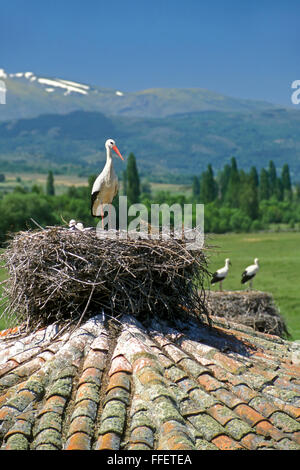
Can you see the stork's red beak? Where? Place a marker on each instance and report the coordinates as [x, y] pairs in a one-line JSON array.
[[115, 148]]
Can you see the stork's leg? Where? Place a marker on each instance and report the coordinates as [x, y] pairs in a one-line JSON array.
[[102, 215], [250, 284], [221, 286], [109, 216]]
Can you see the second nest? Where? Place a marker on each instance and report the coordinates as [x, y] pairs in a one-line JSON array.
[[60, 275]]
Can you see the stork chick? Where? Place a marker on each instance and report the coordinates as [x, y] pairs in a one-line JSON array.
[[72, 224]]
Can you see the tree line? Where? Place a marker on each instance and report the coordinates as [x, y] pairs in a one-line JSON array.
[[241, 201], [235, 200]]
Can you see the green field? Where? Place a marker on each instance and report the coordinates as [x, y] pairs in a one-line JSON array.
[[279, 256], [27, 180], [63, 182]]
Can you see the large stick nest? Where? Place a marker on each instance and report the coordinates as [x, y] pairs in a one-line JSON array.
[[251, 308], [59, 275]]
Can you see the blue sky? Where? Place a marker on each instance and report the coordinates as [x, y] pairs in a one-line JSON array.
[[247, 49]]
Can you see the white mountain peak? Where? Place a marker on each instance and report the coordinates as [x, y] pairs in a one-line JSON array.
[[49, 84], [52, 85]]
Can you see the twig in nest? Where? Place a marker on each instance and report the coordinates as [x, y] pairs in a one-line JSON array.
[[252, 308], [60, 276]]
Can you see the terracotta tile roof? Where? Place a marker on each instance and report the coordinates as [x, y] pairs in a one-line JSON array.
[[142, 388]]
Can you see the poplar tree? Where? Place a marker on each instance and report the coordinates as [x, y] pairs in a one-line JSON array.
[[233, 189], [279, 191], [196, 187], [286, 181], [254, 176], [224, 180], [133, 190], [249, 197], [297, 194], [50, 191], [272, 178], [264, 185], [208, 186]]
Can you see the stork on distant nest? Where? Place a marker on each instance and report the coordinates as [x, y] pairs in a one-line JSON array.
[[221, 273], [105, 186], [250, 272]]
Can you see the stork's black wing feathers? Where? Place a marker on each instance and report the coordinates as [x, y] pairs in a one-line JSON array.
[[216, 278], [93, 199], [246, 277]]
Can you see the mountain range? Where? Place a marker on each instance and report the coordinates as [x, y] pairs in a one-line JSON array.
[[62, 124]]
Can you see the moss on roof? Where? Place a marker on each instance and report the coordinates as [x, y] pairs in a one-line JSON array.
[[150, 387]]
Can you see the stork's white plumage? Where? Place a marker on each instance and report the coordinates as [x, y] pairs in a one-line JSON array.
[[250, 272], [221, 273], [75, 226], [79, 226], [105, 186], [72, 224]]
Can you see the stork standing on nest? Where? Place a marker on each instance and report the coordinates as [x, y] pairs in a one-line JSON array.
[[105, 186], [221, 273], [250, 272]]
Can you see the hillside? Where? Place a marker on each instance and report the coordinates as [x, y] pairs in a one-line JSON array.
[[29, 95], [175, 145], [52, 122]]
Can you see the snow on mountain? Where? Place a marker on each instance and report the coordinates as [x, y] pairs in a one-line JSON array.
[[68, 86], [30, 95], [61, 84], [77, 85]]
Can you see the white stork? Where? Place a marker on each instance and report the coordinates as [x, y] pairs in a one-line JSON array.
[[250, 272], [105, 186], [72, 224], [221, 273], [76, 226], [80, 226]]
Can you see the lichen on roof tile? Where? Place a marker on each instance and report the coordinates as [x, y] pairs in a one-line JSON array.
[[284, 422], [237, 428], [207, 425], [224, 442], [148, 387], [142, 434], [287, 444]]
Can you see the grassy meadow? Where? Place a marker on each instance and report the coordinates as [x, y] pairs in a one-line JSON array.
[[279, 256], [63, 182]]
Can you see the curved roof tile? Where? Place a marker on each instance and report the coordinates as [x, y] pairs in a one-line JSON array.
[[143, 388]]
